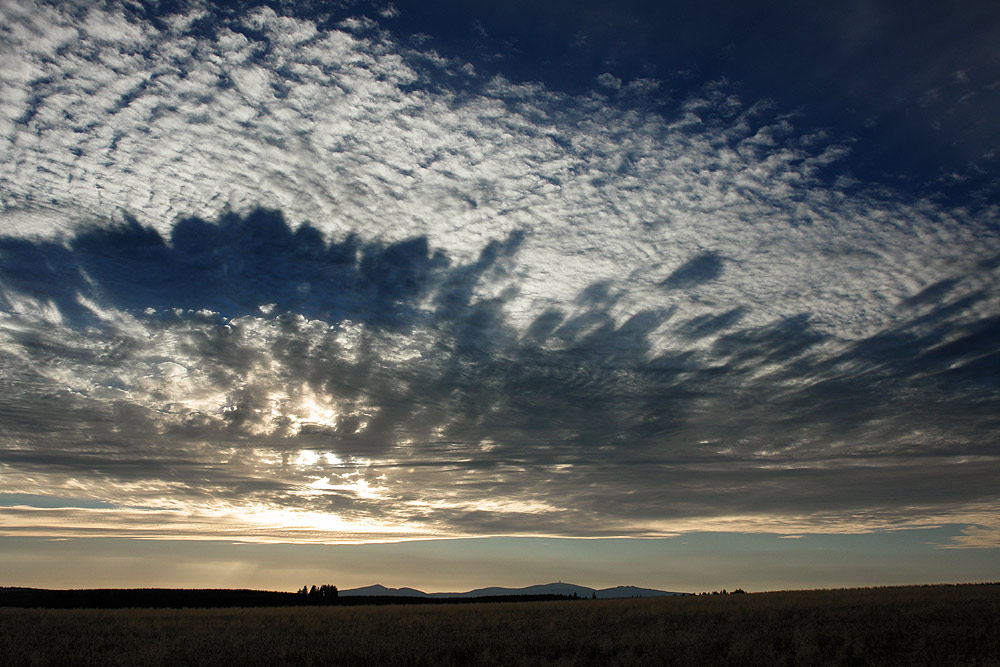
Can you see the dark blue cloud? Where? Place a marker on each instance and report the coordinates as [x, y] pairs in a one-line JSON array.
[[231, 267], [701, 269]]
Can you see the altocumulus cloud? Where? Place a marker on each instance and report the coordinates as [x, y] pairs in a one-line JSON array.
[[285, 279]]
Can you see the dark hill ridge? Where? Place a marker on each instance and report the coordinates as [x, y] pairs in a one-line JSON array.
[[117, 598], [177, 598], [558, 588], [379, 589]]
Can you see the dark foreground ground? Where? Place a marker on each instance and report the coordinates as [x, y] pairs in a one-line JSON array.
[[934, 625]]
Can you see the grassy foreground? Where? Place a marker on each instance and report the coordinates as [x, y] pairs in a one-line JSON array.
[[932, 625]]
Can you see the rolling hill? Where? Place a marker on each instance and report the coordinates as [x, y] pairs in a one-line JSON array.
[[558, 588]]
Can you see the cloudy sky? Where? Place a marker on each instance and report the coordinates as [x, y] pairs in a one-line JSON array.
[[533, 290]]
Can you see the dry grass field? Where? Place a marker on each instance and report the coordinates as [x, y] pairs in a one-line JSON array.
[[937, 625]]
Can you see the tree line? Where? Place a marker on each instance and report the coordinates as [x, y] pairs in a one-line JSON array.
[[324, 592]]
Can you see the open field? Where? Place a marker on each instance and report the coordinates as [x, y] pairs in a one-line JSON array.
[[933, 625]]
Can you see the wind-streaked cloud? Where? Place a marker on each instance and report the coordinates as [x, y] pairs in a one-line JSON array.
[[296, 281]]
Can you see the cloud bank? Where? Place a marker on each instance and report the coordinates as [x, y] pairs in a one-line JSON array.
[[296, 281]]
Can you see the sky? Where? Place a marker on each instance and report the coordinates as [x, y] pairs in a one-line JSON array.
[[456, 294]]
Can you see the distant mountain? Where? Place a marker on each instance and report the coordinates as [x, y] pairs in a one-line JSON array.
[[538, 589], [379, 589], [558, 588]]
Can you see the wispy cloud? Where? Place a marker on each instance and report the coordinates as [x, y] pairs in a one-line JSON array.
[[297, 271]]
